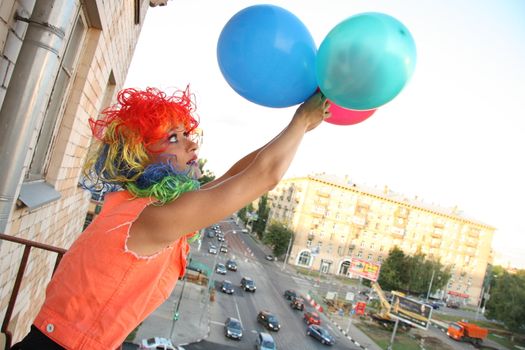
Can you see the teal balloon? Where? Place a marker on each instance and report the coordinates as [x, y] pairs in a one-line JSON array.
[[365, 61]]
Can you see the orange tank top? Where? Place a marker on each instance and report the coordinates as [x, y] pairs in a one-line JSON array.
[[101, 291]]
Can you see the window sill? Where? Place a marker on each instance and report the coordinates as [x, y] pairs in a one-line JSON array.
[[36, 194]]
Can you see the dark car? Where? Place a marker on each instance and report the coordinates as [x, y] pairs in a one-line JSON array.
[[220, 268], [231, 265], [233, 328], [248, 284], [269, 320], [227, 287], [297, 303], [312, 318], [290, 294], [320, 334]]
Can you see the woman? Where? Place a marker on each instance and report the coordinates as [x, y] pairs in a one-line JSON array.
[[126, 263]]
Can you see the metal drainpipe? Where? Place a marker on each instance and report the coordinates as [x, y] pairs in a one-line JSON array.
[[28, 93]]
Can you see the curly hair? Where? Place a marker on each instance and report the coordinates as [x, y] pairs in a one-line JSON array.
[[127, 129]]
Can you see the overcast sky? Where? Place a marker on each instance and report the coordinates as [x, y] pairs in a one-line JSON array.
[[453, 136]]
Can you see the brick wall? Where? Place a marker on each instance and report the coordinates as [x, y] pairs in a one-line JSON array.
[[104, 61]]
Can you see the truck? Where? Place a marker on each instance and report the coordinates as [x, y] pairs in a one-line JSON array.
[[465, 331]]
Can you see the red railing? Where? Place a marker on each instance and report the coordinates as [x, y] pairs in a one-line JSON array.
[[21, 269]]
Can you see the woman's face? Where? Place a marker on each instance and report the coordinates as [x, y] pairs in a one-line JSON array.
[[178, 148]]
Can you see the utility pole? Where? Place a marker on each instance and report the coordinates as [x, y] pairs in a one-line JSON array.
[[430, 285], [287, 252]]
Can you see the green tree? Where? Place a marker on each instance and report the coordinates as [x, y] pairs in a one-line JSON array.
[[412, 274], [207, 176], [278, 236], [507, 299], [243, 213], [262, 216], [390, 276]]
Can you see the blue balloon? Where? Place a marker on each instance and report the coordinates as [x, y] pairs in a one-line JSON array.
[[267, 55], [365, 61]]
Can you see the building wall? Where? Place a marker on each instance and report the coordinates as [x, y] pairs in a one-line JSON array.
[[106, 51], [343, 221]]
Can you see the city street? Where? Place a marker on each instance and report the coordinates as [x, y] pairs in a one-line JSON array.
[[271, 284]]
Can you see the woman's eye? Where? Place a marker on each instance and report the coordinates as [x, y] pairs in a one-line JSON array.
[[173, 138]]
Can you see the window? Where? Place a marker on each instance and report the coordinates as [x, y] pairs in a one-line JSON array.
[[56, 105], [304, 259]]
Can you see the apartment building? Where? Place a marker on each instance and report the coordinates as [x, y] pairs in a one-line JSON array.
[[62, 61], [335, 220]]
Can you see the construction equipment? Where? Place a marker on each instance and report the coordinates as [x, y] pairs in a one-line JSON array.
[[464, 331], [402, 308]]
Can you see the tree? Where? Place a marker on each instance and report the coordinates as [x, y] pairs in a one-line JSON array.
[[262, 216], [278, 237], [390, 276], [412, 274], [243, 213], [507, 299], [207, 176]]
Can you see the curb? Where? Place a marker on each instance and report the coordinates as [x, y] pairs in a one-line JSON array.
[[355, 342]]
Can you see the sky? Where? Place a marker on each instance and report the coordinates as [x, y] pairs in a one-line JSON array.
[[454, 136]]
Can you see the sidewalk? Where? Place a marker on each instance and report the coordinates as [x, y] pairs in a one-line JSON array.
[[192, 325], [355, 335]]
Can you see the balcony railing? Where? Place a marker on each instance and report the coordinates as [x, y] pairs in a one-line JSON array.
[[28, 245], [20, 275]]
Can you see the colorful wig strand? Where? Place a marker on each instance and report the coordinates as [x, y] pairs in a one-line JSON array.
[[125, 132]]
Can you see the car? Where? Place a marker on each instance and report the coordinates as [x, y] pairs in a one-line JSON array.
[[248, 284], [212, 249], [224, 248], [268, 320], [290, 294], [453, 304], [233, 328], [231, 265], [227, 287], [220, 237], [312, 318], [157, 343], [264, 341], [220, 268], [320, 334], [297, 303], [210, 234], [270, 257]]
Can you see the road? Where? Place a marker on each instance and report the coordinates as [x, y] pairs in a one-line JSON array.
[[271, 283]]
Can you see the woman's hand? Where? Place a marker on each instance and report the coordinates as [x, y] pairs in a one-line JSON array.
[[313, 111]]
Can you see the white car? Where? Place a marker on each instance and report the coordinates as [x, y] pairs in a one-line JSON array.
[[212, 249], [158, 343]]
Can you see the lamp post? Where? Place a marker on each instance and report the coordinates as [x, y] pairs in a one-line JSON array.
[[287, 252], [430, 285]]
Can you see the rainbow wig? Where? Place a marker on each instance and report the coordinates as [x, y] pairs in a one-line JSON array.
[[126, 130]]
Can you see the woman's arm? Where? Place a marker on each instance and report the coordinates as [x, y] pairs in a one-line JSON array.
[[251, 177]]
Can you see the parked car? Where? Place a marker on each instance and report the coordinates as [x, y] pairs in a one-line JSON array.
[[212, 249], [231, 265], [227, 287], [320, 334], [290, 294], [224, 248], [233, 328], [453, 304], [312, 318], [265, 341], [220, 268], [297, 303], [157, 343], [248, 284], [268, 320], [270, 257]]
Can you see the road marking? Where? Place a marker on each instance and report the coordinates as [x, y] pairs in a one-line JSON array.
[[217, 323], [238, 312]]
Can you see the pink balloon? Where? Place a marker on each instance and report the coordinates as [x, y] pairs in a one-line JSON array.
[[343, 116]]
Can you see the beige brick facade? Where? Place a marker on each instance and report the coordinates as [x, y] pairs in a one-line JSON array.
[[348, 221], [110, 33]]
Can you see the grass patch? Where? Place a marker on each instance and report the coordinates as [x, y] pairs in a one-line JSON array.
[[412, 340]]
